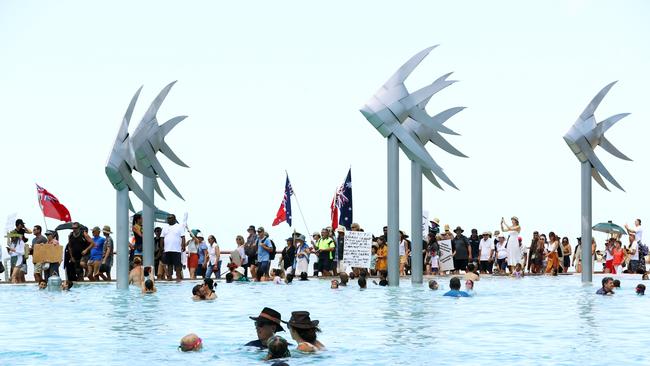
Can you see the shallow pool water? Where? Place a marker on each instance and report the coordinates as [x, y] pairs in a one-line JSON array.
[[535, 320]]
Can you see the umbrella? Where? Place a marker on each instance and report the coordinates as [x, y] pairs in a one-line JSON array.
[[609, 228], [159, 216], [68, 226]]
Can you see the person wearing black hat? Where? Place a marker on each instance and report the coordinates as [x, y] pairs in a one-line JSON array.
[[267, 324], [303, 330], [461, 250], [289, 255]]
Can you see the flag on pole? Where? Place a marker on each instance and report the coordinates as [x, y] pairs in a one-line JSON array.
[[334, 211], [342, 204], [284, 212], [50, 205]]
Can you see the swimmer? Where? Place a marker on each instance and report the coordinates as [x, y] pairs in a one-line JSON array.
[[197, 294], [645, 276], [454, 285], [288, 279], [469, 286], [335, 285], [617, 284], [228, 277], [304, 331], [362, 282], [191, 343], [433, 285], [608, 287], [208, 289], [277, 276], [352, 276], [148, 287], [303, 276], [42, 285], [640, 289], [519, 272], [278, 348], [66, 285], [136, 276]]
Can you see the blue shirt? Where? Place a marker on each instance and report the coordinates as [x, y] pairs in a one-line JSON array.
[[97, 252], [202, 248], [456, 293], [262, 254]]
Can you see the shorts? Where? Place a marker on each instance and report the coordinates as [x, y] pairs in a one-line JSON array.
[[486, 266], [403, 259], [38, 268], [460, 264], [93, 267], [502, 264], [324, 264], [252, 261], [264, 267], [172, 259], [193, 260], [105, 268]]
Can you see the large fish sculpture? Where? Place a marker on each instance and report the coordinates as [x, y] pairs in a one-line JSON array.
[[586, 134]]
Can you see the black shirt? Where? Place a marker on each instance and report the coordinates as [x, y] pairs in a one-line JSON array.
[[256, 343], [474, 243], [288, 256], [460, 244]]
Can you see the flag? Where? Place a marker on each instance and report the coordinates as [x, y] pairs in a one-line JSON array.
[[50, 205], [284, 212], [343, 203], [334, 211]]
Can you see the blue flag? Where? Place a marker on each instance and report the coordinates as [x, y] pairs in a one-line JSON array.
[[344, 202], [284, 212]]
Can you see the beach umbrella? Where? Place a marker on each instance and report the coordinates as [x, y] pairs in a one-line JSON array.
[[160, 216], [609, 228], [68, 226]]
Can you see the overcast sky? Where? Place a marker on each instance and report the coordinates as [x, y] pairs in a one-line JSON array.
[[270, 86]]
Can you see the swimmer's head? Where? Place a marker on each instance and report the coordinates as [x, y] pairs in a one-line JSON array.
[[645, 276], [66, 285], [196, 290], [288, 278], [518, 267], [433, 284], [191, 342], [148, 285], [617, 283], [344, 278], [469, 284], [640, 289], [278, 348], [42, 285], [362, 282], [454, 283], [335, 284], [229, 277], [303, 276]]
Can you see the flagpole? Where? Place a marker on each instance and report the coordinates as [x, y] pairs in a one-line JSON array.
[[299, 209]]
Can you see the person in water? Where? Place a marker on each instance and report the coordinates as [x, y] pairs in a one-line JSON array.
[[608, 287], [433, 285], [267, 324], [334, 284], [66, 285], [454, 285], [42, 285], [191, 343], [197, 293], [207, 289], [278, 348], [148, 287], [304, 331], [640, 289]]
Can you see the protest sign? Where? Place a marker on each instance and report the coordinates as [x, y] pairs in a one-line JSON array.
[[446, 259], [357, 249], [47, 253]]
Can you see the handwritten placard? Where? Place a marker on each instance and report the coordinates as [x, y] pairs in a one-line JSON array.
[[446, 259], [357, 249], [47, 253]]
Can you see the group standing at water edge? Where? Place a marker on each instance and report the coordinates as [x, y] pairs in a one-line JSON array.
[[257, 258]]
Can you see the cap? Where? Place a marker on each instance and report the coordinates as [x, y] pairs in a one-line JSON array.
[[260, 229], [96, 228]]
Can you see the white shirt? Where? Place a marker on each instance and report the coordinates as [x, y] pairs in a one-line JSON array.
[[402, 248], [635, 248], [502, 251], [212, 252], [639, 234], [173, 235], [485, 247]]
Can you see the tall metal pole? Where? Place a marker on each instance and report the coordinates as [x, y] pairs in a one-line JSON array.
[[122, 238], [147, 223], [587, 255], [416, 222], [393, 211]]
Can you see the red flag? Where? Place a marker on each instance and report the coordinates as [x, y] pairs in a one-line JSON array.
[[284, 212], [334, 212], [51, 206]]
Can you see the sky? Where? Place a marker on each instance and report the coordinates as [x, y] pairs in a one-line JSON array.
[[275, 86]]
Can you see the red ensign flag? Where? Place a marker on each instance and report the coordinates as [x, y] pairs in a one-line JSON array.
[[51, 206]]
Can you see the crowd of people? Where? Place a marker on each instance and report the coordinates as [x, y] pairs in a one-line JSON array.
[[257, 258]]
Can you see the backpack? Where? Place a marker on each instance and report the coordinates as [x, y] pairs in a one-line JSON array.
[[643, 250], [273, 251]]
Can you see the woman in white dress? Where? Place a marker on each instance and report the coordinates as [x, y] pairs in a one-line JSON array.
[[302, 255], [514, 251]]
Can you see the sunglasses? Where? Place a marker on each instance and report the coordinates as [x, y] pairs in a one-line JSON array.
[[262, 323]]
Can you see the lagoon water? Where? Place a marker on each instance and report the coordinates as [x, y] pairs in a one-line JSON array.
[[535, 320]]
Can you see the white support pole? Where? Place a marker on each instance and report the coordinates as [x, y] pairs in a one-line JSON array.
[[393, 211], [122, 239], [416, 223], [585, 190], [147, 223]]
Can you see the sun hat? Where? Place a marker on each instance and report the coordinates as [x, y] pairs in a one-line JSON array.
[[271, 315], [315, 233], [107, 229], [301, 320], [501, 236], [458, 228], [340, 229], [447, 227], [486, 233], [435, 221]]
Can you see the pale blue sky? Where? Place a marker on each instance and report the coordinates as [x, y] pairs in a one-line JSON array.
[[270, 86]]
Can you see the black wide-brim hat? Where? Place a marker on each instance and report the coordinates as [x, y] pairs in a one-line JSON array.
[[272, 316], [301, 320]]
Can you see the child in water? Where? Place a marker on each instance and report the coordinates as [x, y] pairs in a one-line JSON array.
[[519, 272]]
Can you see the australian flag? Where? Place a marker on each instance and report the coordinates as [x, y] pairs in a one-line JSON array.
[[284, 212], [344, 201]]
